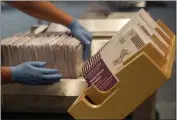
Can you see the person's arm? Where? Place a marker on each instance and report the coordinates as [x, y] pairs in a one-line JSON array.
[[42, 10], [30, 73], [47, 11], [6, 76]]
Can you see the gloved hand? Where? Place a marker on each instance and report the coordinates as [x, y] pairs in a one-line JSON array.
[[33, 73], [83, 35]]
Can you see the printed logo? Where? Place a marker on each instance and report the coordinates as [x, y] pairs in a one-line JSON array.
[[119, 60]]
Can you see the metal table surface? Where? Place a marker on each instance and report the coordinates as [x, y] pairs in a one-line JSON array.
[[43, 98]]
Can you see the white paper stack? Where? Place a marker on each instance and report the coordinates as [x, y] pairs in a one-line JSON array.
[[100, 70], [59, 51]]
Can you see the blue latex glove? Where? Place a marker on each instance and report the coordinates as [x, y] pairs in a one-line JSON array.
[[34, 73], [83, 35]]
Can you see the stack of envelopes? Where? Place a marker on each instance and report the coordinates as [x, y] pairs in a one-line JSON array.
[[59, 51]]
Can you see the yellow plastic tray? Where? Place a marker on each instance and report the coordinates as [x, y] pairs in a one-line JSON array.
[[140, 77]]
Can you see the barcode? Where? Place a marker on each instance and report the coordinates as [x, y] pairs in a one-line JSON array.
[[145, 30], [137, 41], [121, 40]]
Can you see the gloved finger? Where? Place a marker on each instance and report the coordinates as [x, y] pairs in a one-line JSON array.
[[37, 63], [83, 39], [52, 77], [88, 35], [87, 45], [48, 71], [86, 52]]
